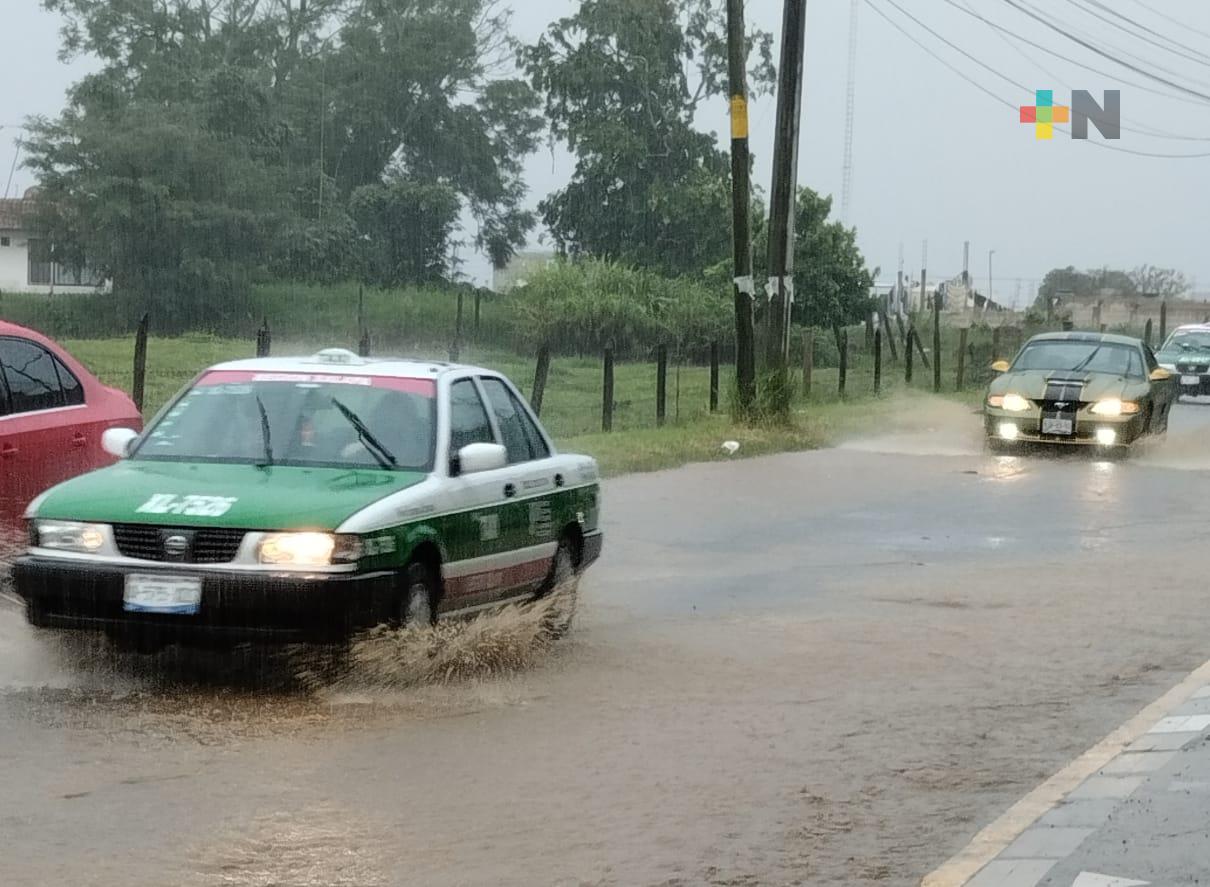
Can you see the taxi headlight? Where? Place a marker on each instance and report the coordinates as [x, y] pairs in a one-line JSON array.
[[1112, 406], [63, 535], [309, 549], [1015, 403]]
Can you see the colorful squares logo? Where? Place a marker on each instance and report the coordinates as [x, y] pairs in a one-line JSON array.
[[1044, 113]]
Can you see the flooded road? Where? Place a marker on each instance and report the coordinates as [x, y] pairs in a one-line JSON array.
[[819, 668]]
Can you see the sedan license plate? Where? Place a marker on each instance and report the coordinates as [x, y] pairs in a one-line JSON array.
[[1057, 426], [176, 595], [1191, 380]]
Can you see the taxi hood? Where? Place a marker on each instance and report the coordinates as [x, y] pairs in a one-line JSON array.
[[190, 494]]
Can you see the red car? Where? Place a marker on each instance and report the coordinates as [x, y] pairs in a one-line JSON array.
[[52, 415]]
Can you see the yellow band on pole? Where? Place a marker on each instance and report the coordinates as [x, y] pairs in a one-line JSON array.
[[739, 117]]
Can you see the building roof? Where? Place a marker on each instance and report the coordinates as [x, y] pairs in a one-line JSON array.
[[13, 213], [337, 361], [15, 210]]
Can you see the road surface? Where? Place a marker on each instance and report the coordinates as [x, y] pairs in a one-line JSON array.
[[819, 668]]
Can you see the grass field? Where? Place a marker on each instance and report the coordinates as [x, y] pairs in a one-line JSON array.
[[573, 400]]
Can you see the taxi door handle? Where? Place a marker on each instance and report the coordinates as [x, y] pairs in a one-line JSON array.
[[510, 490]]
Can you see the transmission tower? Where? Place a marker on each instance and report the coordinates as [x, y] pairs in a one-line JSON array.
[[846, 186]]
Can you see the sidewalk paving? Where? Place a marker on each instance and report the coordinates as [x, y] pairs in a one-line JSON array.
[[1143, 819]]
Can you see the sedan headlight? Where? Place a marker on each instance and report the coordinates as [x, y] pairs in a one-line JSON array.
[[309, 549], [1113, 407], [1014, 403], [69, 536]]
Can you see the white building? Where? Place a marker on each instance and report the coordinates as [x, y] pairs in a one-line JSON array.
[[26, 265]]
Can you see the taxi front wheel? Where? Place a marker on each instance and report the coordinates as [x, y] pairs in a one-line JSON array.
[[418, 603]]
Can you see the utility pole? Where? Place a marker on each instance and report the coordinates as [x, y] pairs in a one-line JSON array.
[[966, 264], [924, 273], [987, 302], [785, 180], [741, 230], [846, 187]]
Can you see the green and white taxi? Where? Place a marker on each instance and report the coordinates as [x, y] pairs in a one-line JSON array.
[[305, 499]]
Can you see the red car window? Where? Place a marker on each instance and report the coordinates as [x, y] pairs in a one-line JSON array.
[[30, 373]]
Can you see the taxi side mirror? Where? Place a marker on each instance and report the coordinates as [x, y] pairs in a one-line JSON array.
[[1000, 366], [478, 457], [1159, 374], [118, 441]]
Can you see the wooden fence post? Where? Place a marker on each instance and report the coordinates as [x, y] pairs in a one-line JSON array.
[[914, 336], [878, 361], [363, 345], [842, 339], [995, 344], [890, 336], [714, 377], [140, 363], [869, 332], [607, 393], [936, 345], [540, 373], [962, 333], [661, 384], [808, 359], [478, 299], [1163, 321], [1147, 332], [903, 334], [907, 355], [264, 339]]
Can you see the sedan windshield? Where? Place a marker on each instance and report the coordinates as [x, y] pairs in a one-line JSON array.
[[299, 419], [1092, 357], [1188, 340]]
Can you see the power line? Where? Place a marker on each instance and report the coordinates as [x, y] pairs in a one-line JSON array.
[[1008, 104], [1096, 49], [1183, 25], [1134, 34], [1058, 55], [1017, 83], [1140, 25], [1149, 64], [1156, 133]]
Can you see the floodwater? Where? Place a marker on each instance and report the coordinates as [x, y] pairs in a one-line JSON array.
[[818, 668]]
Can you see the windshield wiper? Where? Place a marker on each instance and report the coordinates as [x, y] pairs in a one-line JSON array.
[[265, 433], [1086, 361], [381, 454]]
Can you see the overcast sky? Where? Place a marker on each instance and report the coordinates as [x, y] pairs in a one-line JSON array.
[[934, 157]]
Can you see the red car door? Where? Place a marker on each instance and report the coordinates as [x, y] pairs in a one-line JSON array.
[[36, 443]]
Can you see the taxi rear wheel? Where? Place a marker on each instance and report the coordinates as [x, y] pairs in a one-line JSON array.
[[418, 603], [562, 586]]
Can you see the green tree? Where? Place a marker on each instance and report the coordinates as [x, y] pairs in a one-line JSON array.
[[222, 138], [622, 81]]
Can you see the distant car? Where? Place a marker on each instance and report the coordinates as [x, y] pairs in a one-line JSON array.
[[1186, 355], [1079, 388], [53, 413], [303, 499]]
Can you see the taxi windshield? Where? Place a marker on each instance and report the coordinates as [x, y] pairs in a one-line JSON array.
[[1081, 356], [299, 419]]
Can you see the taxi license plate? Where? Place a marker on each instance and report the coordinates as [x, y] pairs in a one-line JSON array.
[[176, 595], [1191, 380], [1057, 426]]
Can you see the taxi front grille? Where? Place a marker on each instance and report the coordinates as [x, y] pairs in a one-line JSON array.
[[1192, 367], [208, 545]]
